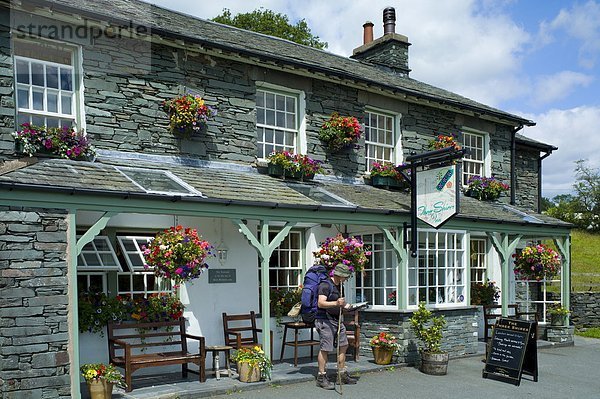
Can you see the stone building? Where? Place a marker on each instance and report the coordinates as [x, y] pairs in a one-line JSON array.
[[108, 66]]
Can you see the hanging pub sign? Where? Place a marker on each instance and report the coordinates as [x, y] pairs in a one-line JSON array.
[[437, 195]]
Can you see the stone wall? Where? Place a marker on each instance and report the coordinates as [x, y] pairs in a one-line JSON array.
[[33, 304], [526, 166], [585, 309], [7, 104], [459, 336]]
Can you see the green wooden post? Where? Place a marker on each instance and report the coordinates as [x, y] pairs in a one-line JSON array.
[[402, 268], [264, 248], [505, 249], [564, 246], [73, 305]]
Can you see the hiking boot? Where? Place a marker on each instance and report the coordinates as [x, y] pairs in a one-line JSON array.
[[323, 382], [347, 379]]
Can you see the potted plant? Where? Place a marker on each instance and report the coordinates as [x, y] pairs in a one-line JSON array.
[[96, 309], [536, 262], [63, 142], [385, 174], [558, 315], [485, 188], [282, 300], [308, 167], [252, 364], [383, 345], [350, 251], [340, 132], [156, 308], [101, 378], [428, 330], [484, 293], [188, 114], [391, 298], [177, 253], [442, 141]]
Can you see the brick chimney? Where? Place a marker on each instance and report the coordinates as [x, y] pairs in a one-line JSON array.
[[390, 51]]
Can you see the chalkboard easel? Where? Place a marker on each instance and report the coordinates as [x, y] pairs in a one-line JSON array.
[[512, 352]]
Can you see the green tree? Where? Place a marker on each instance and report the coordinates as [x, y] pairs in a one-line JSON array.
[[270, 23], [583, 208]]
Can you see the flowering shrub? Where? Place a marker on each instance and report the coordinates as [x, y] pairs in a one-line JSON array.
[[350, 251], [177, 254], [188, 114], [559, 311], [95, 310], [428, 329], [484, 293], [443, 141], [62, 141], [485, 188], [340, 131], [384, 340], [537, 262], [282, 300], [295, 163], [99, 371], [254, 356]]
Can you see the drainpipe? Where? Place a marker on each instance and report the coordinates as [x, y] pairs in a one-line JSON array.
[[513, 155], [539, 201]]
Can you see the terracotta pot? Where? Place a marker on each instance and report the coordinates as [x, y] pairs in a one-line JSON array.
[[100, 389], [434, 363], [248, 373], [382, 355]]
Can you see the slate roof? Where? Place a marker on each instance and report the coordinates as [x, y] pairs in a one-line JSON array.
[[245, 187], [178, 25], [523, 140]]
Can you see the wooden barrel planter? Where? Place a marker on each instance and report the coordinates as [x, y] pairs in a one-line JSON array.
[[434, 363], [248, 373]]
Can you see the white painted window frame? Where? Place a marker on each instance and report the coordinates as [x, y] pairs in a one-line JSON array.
[[300, 145], [389, 267], [92, 249], [396, 147], [486, 161]]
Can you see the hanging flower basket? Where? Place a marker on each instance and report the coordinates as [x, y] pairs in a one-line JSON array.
[[537, 262], [188, 114], [61, 142], [385, 175], [340, 132], [178, 253], [350, 251]]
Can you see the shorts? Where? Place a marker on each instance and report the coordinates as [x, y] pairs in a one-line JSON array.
[[327, 330]]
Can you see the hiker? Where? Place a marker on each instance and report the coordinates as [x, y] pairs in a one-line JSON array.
[[327, 320]]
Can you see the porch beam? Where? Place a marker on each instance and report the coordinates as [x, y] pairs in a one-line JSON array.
[[505, 248], [564, 247], [264, 248], [402, 267], [94, 231]]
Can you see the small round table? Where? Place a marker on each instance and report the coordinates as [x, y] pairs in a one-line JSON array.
[[215, 350]]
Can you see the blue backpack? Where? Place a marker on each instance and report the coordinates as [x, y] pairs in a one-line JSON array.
[[310, 292]]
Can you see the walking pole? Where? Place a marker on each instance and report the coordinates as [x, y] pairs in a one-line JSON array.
[[339, 375]]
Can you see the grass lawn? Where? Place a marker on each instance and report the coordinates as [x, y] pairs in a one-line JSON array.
[[590, 332], [585, 262]]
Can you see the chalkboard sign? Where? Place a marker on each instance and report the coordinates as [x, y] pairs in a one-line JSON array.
[[513, 351], [221, 276]]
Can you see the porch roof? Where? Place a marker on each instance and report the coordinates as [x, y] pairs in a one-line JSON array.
[[243, 187]]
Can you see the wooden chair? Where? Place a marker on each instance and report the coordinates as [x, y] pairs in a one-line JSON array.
[[492, 312], [353, 332], [240, 331]]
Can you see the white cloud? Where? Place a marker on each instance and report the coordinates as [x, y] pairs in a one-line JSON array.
[[557, 86], [576, 133], [581, 22]]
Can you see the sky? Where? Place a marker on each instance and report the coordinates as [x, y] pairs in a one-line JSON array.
[[539, 59]]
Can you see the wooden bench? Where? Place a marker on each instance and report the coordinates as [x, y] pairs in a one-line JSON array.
[[133, 346]]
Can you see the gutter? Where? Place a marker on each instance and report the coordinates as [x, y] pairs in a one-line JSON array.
[[513, 163]]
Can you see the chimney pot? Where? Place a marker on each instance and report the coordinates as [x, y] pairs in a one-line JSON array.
[[368, 32], [389, 20]]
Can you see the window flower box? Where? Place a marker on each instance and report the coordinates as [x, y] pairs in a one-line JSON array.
[[485, 188], [385, 175], [58, 142], [285, 164]]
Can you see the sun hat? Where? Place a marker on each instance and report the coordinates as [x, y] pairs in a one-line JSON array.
[[342, 270]]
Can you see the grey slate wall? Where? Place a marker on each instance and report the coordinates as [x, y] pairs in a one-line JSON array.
[[7, 104], [33, 304], [585, 309], [459, 335], [526, 166]]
